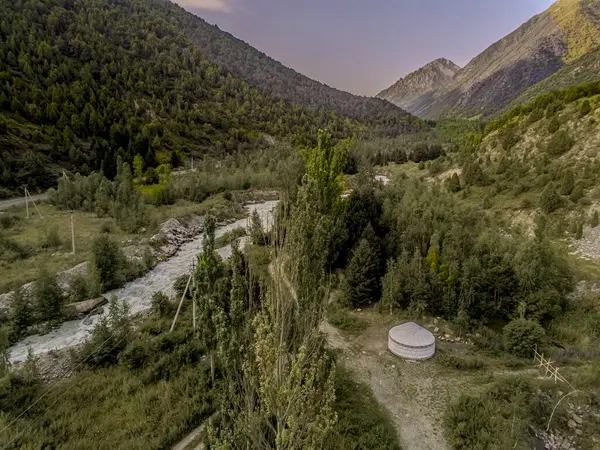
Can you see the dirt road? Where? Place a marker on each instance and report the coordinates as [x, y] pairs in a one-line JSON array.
[[5, 204]]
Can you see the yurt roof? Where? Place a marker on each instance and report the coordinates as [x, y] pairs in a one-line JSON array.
[[412, 334]]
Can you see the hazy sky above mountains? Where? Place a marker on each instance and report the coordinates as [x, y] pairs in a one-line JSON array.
[[365, 46]]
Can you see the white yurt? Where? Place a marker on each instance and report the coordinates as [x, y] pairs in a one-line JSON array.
[[411, 341]]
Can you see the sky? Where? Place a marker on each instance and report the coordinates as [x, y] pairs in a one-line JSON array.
[[364, 46]]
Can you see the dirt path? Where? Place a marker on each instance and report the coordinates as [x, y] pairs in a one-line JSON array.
[[408, 390]]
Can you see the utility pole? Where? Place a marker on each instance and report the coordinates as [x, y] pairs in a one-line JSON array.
[[72, 233], [27, 193], [26, 199], [72, 220]]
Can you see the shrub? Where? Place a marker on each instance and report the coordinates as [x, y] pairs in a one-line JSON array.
[[342, 319], [585, 108], [11, 250], [109, 261], [522, 336], [560, 143], [78, 289], [554, 125], [151, 176], [161, 304], [577, 193], [594, 220], [51, 239], [461, 362], [8, 221], [453, 183], [179, 285], [549, 201]]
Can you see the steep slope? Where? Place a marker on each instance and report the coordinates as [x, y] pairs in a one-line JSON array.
[[85, 80], [583, 70], [536, 50], [272, 77], [407, 91]]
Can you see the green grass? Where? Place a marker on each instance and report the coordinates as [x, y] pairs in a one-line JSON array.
[[363, 424], [32, 232], [345, 321], [149, 400]]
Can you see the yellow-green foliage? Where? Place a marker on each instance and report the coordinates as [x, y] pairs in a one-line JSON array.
[[581, 28]]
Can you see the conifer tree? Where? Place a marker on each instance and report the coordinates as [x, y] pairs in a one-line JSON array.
[[22, 313], [49, 297], [362, 274]]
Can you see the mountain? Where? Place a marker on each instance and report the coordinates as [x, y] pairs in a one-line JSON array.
[[407, 91], [568, 30], [269, 76], [84, 81], [585, 69]]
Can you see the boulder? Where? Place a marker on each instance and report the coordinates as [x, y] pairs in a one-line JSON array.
[[86, 306]]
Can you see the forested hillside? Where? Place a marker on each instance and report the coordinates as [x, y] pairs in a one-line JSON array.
[[85, 80]]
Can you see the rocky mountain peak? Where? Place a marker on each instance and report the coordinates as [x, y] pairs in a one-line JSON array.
[[428, 78]]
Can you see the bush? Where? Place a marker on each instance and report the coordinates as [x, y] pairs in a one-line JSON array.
[[549, 201], [554, 125], [461, 362], [51, 239], [343, 320], [594, 220], [522, 336], [11, 250], [499, 418], [78, 288], [161, 304], [577, 193], [560, 143], [585, 108], [8, 221], [109, 261]]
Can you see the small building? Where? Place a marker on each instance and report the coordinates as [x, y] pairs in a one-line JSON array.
[[411, 341]]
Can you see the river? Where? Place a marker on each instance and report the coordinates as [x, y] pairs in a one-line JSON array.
[[137, 293]]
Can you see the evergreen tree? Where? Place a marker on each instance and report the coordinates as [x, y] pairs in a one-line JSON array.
[[362, 275], [175, 159], [554, 125], [48, 296], [585, 108], [4, 354], [138, 167], [568, 183], [22, 313], [109, 262], [257, 235], [209, 295], [454, 183]]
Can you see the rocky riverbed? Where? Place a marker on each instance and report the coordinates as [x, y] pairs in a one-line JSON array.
[[184, 248]]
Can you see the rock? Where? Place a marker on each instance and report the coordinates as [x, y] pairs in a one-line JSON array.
[[457, 339], [577, 419], [447, 336], [435, 321], [572, 423], [436, 330], [358, 310], [86, 306], [578, 432]]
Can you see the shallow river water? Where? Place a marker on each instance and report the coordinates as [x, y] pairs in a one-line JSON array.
[[137, 293]]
